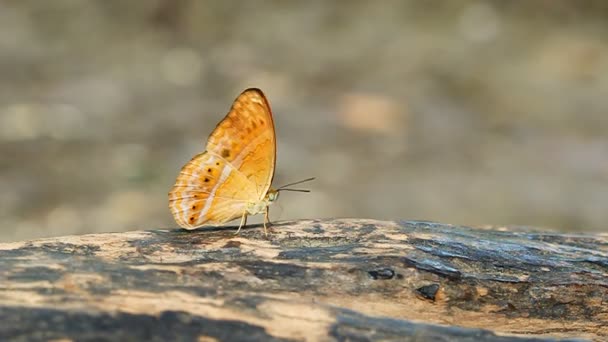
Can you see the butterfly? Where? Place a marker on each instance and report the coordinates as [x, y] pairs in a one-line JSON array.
[[232, 178]]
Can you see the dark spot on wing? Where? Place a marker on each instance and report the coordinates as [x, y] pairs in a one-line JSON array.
[[225, 153]]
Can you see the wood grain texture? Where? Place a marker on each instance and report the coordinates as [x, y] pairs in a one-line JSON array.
[[317, 280]]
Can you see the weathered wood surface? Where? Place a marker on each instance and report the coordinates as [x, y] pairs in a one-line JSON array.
[[308, 280]]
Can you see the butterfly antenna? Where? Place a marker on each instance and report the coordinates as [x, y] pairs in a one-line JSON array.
[[285, 187], [298, 182]]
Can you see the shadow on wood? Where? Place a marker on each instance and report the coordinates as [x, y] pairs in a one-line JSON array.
[[344, 279]]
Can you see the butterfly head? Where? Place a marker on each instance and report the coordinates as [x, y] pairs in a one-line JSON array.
[[272, 195]]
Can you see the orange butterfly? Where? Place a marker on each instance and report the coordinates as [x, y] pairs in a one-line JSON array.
[[232, 178]]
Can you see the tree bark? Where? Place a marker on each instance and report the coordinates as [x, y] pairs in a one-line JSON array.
[[317, 280]]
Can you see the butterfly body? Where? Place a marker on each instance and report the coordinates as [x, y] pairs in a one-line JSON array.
[[254, 208], [232, 178]]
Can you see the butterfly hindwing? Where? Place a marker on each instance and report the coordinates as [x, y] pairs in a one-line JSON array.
[[203, 186]]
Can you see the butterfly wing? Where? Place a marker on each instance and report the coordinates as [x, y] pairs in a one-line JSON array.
[[237, 168], [208, 190], [246, 139]]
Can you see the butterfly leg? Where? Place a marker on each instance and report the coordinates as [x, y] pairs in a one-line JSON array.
[[266, 220], [267, 216], [243, 223]]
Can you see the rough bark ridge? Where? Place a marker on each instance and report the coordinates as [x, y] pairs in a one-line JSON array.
[[308, 280]]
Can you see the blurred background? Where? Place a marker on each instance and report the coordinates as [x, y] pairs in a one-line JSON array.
[[465, 112]]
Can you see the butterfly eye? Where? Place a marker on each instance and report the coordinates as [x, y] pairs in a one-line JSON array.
[[273, 196]]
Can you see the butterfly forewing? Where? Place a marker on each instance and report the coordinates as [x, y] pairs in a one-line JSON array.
[[246, 139], [237, 168]]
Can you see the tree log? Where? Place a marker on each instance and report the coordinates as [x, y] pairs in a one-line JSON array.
[[317, 280]]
